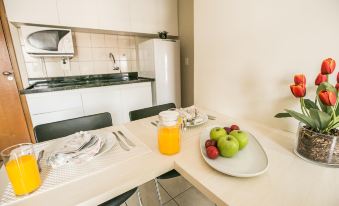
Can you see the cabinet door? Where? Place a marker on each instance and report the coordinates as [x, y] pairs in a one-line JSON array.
[[32, 11], [135, 96], [167, 16], [144, 16], [114, 15], [41, 103], [79, 13], [44, 118], [103, 99]]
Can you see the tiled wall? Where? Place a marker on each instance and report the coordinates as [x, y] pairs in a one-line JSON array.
[[91, 56]]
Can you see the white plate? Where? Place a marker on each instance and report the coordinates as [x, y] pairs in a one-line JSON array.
[[110, 141], [248, 162], [204, 120]]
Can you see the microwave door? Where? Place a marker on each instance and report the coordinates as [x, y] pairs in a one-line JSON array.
[[47, 40]]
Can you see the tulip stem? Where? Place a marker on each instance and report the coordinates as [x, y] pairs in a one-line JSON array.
[[303, 107]]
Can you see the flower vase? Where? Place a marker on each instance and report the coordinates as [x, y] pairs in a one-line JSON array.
[[317, 147]]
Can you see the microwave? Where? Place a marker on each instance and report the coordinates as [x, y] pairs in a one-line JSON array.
[[47, 41]]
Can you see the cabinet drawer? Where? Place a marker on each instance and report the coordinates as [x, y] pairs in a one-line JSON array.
[[56, 116], [53, 102]]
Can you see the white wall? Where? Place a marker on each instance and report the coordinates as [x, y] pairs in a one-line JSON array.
[[246, 53]]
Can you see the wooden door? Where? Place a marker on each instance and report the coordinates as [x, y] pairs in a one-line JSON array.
[[13, 127]]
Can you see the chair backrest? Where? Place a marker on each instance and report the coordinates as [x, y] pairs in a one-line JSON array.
[[150, 111], [63, 128]]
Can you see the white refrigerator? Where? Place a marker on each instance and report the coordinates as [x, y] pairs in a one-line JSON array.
[[160, 59]]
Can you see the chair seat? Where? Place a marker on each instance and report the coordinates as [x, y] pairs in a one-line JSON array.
[[170, 174], [117, 201]]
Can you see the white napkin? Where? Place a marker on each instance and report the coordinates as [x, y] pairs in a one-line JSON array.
[[68, 151]]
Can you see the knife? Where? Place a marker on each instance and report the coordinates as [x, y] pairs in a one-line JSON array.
[[122, 144], [129, 142]]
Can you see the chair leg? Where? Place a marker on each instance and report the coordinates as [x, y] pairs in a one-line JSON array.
[[139, 197], [158, 191]]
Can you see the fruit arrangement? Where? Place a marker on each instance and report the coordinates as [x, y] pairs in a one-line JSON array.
[[226, 142]]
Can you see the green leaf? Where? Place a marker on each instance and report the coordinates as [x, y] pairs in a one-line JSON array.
[[302, 118], [321, 119], [282, 115], [309, 104], [334, 126]]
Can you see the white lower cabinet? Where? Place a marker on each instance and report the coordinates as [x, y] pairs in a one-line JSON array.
[[133, 98], [102, 99], [118, 100]]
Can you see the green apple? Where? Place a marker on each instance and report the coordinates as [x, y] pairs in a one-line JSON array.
[[217, 132], [241, 136], [228, 146]]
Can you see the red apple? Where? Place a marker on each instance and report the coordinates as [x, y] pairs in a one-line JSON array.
[[210, 142], [212, 152], [228, 129], [235, 127]]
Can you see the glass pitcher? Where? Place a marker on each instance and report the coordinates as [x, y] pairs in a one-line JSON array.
[[22, 168], [169, 132]]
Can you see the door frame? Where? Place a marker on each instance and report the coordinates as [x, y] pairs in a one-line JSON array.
[[15, 67]]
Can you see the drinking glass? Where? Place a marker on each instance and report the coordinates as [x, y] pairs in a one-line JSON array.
[[22, 168]]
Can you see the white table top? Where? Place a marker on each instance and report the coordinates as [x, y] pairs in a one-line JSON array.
[[289, 180]]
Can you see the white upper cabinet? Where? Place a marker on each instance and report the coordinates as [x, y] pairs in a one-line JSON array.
[[167, 16], [114, 15], [144, 16], [141, 16], [32, 11], [152, 16], [78, 13]]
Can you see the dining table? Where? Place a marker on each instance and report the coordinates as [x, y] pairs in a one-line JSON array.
[[288, 181]]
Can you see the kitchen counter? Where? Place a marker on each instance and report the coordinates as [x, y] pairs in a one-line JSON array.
[[289, 180], [39, 85]]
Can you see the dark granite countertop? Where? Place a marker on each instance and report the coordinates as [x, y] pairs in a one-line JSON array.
[[39, 85]]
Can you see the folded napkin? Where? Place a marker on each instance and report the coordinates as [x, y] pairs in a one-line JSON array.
[[80, 147], [192, 115]]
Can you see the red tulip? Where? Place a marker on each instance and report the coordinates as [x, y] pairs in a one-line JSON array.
[[299, 79], [298, 90], [338, 77], [328, 66], [320, 79], [328, 98], [337, 86]]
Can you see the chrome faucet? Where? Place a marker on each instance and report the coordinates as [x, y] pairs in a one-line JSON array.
[[115, 67]]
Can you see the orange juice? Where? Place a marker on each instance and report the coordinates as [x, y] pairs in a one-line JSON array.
[[169, 140], [169, 132], [24, 174]]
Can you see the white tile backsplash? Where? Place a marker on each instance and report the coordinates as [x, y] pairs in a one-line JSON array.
[[98, 40], [74, 69], [99, 54], [91, 57], [111, 40], [86, 68], [84, 54], [82, 39], [35, 70], [54, 69]]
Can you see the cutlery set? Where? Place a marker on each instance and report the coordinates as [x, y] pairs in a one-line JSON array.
[[122, 143]]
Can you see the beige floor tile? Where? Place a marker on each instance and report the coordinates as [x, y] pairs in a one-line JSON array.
[[171, 203], [192, 197], [175, 186], [148, 195]]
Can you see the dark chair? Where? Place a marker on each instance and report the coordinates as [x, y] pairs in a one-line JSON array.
[[63, 128], [148, 112]]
